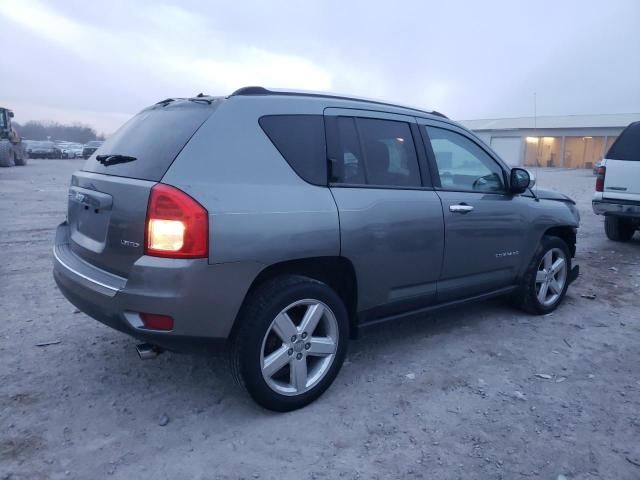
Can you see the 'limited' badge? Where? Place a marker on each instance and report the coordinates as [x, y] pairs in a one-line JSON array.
[[129, 243]]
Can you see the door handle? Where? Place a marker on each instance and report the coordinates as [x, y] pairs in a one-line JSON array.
[[461, 208]]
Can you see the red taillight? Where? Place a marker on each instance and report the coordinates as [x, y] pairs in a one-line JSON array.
[[177, 226], [602, 171], [154, 321]]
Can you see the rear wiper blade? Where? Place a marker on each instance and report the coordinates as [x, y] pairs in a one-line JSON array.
[[107, 160], [166, 101], [202, 98]]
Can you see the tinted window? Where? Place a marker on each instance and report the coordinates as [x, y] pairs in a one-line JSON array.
[[300, 140], [376, 152], [348, 164], [154, 137], [462, 164], [627, 145]]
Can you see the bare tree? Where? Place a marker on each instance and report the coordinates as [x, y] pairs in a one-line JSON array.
[[76, 132]]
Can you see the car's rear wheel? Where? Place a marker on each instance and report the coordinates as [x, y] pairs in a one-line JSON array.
[[547, 278], [619, 229], [290, 342]]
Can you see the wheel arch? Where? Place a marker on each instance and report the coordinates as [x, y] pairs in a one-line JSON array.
[[335, 271], [567, 233]]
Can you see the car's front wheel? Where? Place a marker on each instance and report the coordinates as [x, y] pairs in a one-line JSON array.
[[547, 278], [290, 342]]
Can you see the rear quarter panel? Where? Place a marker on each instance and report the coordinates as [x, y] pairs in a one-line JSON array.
[[260, 210]]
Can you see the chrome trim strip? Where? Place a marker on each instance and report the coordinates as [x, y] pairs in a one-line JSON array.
[[81, 275]]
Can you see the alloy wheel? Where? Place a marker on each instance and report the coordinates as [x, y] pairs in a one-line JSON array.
[[299, 347], [551, 277]]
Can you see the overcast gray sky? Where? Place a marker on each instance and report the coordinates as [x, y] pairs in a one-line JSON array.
[[100, 62]]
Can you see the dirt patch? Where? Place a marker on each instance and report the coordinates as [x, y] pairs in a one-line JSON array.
[[453, 395]]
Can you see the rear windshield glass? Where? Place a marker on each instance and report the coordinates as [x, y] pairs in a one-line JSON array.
[[627, 146], [154, 137]]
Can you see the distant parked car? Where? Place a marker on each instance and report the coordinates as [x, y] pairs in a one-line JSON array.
[[90, 147], [617, 194], [43, 149], [63, 147], [72, 150]]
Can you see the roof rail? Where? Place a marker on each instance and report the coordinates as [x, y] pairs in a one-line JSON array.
[[257, 90]]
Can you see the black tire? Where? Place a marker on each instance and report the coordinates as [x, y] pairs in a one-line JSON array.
[[20, 157], [6, 154], [526, 297], [254, 321], [618, 229]]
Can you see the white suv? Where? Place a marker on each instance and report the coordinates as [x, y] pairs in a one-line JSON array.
[[617, 194]]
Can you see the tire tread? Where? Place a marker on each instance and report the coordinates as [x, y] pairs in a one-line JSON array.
[[525, 297], [257, 302], [6, 156], [618, 229]]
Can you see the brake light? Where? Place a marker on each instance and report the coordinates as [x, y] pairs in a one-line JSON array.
[[177, 226], [602, 171]]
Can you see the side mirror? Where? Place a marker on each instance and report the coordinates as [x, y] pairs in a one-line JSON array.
[[520, 180], [532, 179], [10, 114]]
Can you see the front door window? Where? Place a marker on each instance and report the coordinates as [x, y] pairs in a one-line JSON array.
[[462, 165]]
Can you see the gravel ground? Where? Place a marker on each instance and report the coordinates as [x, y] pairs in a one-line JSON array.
[[455, 395]]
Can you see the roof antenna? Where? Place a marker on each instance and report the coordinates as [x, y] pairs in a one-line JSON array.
[[535, 131]]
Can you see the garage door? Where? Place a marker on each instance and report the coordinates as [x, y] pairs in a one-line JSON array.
[[508, 149]]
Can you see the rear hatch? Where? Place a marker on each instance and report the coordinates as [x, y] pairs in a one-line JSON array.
[[108, 198], [622, 179]]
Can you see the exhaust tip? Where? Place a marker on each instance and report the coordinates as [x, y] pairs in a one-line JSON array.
[[147, 351]]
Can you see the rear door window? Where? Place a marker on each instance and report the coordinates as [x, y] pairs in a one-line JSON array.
[[348, 164], [389, 153], [627, 145], [375, 152], [154, 138], [300, 140]]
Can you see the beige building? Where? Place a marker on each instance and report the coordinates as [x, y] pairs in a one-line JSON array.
[[571, 141]]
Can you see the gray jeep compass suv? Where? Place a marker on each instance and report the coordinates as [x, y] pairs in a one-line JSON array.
[[278, 223]]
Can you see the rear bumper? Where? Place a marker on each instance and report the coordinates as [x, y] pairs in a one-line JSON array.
[[621, 208], [202, 299]]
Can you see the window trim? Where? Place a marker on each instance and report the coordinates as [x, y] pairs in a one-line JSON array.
[[435, 173], [365, 161], [333, 145], [423, 159]]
